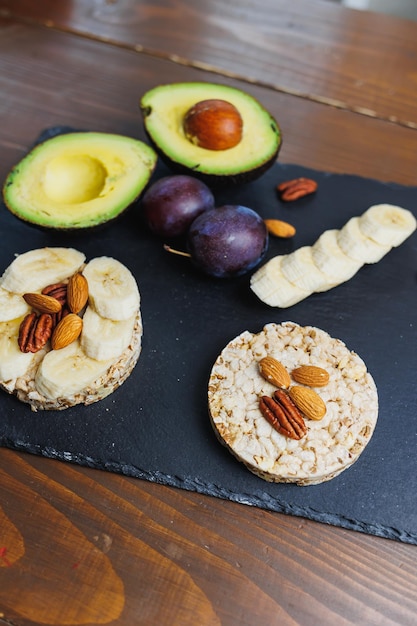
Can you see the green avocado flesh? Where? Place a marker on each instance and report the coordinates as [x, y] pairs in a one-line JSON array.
[[163, 109], [79, 180]]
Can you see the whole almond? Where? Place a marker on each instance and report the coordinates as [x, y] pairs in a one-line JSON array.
[[66, 331], [310, 375], [278, 228], [308, 401], [42, 302], [77, 293], [274, 372]]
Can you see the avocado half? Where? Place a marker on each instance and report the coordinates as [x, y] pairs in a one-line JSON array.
[[163, 109], [78, 180]]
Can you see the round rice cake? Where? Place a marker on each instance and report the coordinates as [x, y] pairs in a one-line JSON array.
[[91, 366], [331, 444]]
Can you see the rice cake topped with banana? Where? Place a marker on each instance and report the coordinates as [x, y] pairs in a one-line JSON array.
[[240, 389], [70, 330]]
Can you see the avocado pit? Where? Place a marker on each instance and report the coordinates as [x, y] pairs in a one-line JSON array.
[[213, 124]]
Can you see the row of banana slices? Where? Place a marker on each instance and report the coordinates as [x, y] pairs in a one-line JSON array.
[[108, 320], [334, 258]]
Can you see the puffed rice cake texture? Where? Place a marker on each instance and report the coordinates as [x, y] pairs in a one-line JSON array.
[[332, 444]]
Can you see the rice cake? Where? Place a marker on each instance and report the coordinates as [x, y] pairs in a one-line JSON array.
[[332, 444], [87, 366]]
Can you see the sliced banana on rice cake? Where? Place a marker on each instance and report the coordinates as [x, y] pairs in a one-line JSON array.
[[81, 349]]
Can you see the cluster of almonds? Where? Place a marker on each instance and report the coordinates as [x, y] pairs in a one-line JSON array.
[[55, 315], [290, 404]]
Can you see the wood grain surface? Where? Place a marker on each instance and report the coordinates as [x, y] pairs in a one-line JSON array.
[[48, 77], [80, 546], [313, 49], [94, 547]]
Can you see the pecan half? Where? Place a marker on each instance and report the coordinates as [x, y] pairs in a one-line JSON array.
[[283, 415], [57, 317], [57, 291], [34, 332], [291, 190]]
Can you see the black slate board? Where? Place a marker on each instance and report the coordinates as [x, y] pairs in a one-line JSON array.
[[156, 425]]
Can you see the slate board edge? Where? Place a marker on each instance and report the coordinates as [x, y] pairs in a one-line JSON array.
[[268, 503]]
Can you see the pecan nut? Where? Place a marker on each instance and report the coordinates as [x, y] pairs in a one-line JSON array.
[[291, 190], [57, 317], [283, 415], [34, 332], [57, 291]]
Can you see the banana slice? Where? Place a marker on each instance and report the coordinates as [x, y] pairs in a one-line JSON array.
[[271, 286], [358, 246], [331, 260], [299, 269], [335, 257], [103, 338], [64, 373], [387, 224], [12, 306], [113, 292], [33, 270], [13, 362]]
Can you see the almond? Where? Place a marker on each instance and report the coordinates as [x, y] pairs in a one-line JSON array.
[[42, 302], [308, 402], [310, 375], [274, 372], [67, 331], [77, 293], [278, 228]]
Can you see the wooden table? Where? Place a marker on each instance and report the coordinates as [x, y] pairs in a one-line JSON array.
[[81, 546]]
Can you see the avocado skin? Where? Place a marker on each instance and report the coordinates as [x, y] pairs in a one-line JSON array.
[[156, 99]]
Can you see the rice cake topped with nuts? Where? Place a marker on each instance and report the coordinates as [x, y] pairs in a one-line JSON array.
[[70, 329], [331, 444]]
